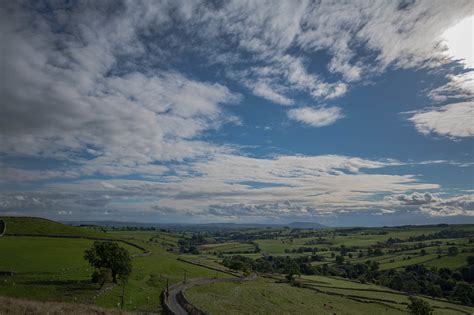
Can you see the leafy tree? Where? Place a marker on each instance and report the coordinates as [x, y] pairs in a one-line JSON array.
[[101, 276], [453, 251], [419, 307], [434, 290], [464, 293], [110, 256], [339, 260], [470, 259], [291, 269]]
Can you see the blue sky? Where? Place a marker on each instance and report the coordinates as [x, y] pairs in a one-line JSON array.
[[343, 113]]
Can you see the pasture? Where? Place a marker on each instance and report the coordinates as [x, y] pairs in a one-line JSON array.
[[53, 268]]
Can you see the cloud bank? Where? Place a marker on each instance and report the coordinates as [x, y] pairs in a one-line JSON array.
[[107, 106]]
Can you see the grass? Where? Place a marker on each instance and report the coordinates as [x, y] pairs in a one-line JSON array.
[[452, 262], [146, 236], [19, 306], [276, 246], [372, 292], [268, 297], [40, 226], [53, 269], [149, 279], [228, 247]]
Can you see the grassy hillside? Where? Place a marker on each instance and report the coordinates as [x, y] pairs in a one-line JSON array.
[[18, 306], [268, 297], [53, 269], [330, 297], [40, 226]]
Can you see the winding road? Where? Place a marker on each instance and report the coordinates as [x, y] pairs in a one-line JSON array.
[[172, 299]]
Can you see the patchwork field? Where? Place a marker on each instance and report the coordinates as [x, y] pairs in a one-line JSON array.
[[49, 266]]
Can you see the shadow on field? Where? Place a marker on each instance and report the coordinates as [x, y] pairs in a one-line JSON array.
[[66, 285]]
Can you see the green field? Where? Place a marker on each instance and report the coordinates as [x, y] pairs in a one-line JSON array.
[[231, 247], [40, 226], [269, 297], [53, 268], [374, 293], [332, 296]]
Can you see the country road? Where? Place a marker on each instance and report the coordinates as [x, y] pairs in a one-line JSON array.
[[172, 299]]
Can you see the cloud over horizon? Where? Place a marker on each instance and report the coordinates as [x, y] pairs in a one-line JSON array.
[[214, 110]]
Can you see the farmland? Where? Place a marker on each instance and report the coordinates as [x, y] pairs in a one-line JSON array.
[[53, 269], [342, 271]]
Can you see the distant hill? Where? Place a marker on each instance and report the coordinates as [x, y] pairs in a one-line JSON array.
[[306, 225], [41, 226], [197, 226]]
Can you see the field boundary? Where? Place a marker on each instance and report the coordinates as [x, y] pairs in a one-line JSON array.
[[209, 267], [145, 251], [375, 300]]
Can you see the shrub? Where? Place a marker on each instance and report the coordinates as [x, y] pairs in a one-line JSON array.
[[419, 307]]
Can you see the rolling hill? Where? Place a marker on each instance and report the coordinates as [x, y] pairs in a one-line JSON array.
[[41, 226]]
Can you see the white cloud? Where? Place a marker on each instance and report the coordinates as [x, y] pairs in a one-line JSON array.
[[460, 86], [95, 96], [415, 198], [316, 117], [60, 103], [453, 120], [459, 205], [435, 206], [226, 185], [459, 39], [265, 91], [396, 34]]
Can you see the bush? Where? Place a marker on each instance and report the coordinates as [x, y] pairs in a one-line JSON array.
[[453, 251], [339, 260], [419, 307]]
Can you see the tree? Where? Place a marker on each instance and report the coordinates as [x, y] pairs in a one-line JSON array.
[[339, 260], [470, 260], [291, 269], [111, 256], [453, 251], [101, 276], [3, 227], [419, 307], [464, 293]]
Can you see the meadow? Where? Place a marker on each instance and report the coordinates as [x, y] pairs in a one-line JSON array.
[[52, 269]]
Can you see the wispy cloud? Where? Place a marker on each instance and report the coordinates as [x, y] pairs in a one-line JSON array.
[[101, 99], [316, 117], [453, 121]]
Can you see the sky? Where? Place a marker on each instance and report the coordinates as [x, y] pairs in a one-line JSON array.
[[339, 112]]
